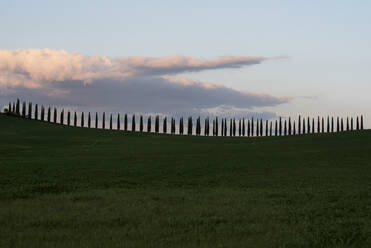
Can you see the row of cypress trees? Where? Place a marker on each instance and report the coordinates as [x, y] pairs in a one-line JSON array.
[[231, 127]]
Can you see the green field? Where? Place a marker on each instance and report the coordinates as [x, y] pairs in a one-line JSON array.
[[73, 187]]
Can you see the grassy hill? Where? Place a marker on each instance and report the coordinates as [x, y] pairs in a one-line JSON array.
[[73, 187]]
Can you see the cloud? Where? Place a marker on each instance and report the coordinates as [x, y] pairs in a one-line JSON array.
[[130, 84]]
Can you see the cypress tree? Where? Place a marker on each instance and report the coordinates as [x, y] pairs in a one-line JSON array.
[[55, 115], [68, 118], [133, 123], [252, 126], [313, 125], [234, 127], [243, 127], [351, 123], [118, 122], [280, 127], [266, 127], [42, 113], [323, 125], [257, 127], [347, 124], [62, 117], [190, 126], [198, 124], [308, 125], [361, 122], [13, 108], [248, 128], [342, 125], [149, 124], [141, 124], [299, 125], [357, 123], [110, 121], [270, 128], [164, 127], [304, 130], [10, 107], [126, 122], [225, 127], [24, 110], [239, 127], [157, 124], [285, 128], [205, 130], [338, 125], [89, 120], [96, 119], [230, 128], [261, 127], [275, 129], [17, 111], [75, 120], [216, 126], [36, 112], [49, 114], [181, 126], [332, 124], [82, 124], [290, 128], [104, 120]]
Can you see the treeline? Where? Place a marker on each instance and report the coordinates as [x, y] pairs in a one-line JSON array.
[[207, 127]]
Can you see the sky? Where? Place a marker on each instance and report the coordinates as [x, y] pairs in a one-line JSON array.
[[242, 58]]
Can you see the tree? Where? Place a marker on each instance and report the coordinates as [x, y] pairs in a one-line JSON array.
[[55, 115], [190, 126], [141, 124], [313, 126], [89, 120], [361, 122], [62, 117], [118, 122], [49, 114], [304, 130], [294, 129], [17, 111], [157, 124], [205, 129], [270, 128], [42, 113], [234, 127], [248, 128], [357, 123], [261, 127], [323, 125], [308, 125], [181, 126], [318, 125], [225, 127], [332, 124], [257, 127], [149, 124], [68, 118], [126, 122], [198, 128], [285, 128], [275, 129], [133, 123], [110, 121], [328, 124], [96, 119], [10, 107], [290, 128], [24, 110], [342, 125], [280, 126], [82, 124], [337, 125], [243, 127], [347, 124], [299, 125], [164, 126], [216, 126], [104, 120], [351, 123], [252, 126], [75, 120]]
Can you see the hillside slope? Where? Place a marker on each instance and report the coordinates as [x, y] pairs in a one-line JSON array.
[[75, 187]]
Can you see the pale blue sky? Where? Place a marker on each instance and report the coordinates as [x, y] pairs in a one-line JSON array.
[[327, 42]]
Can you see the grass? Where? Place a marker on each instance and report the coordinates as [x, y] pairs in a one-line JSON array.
[[72, 187]]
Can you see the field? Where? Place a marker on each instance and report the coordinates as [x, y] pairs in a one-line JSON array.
[[76, 187]]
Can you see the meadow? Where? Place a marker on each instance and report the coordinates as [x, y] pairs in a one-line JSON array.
[[77, 187]]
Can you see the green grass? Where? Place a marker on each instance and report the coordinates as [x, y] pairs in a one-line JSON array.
[[72, 187]]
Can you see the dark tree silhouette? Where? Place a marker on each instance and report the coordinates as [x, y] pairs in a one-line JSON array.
[[42, 113], [361, 122], [133, 123], [118, 122], [36, 116], [257, 127], [198, 126], [261, 127], [164, 126], [49, 114], [216, 126], [205, 129], [280, 127], [332, 124], [141, 124], [318, 125], [351, 124], [270, 128], [290, 127], [337, 125], [357, 123], [68, 118], [55, 115], [13, 111], [104, 120], [10, 107], [126, 122], [82, 124], [328, 124], [266, 127], [75, 120], [248, 128], [17, 111], [234, 127], [285, 128], [96, 119], [181, 126], [61, 117], [252, 126], [110, 121], [24, 110], [243, 127], [342, 125], [347, 124], [157, 124], [294, 129], [275, 128], [323, 125], [149, 124], [239, 127], [190, 126], [299, 125], [89, 120], [313, 130], [304, 130], [308, 125]]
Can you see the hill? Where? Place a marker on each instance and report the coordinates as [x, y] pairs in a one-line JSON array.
[[76, 187]]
